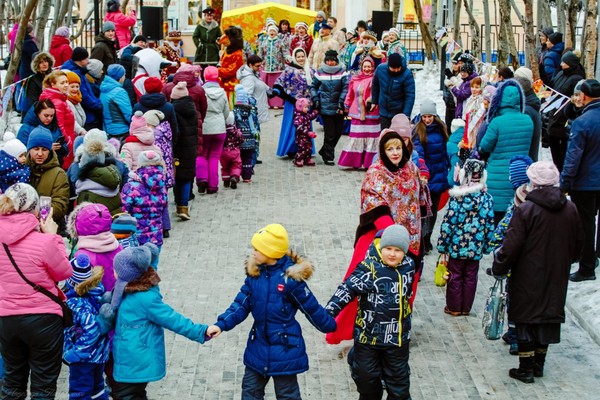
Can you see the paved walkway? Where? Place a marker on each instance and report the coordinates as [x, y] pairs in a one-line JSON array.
[[202, 270]]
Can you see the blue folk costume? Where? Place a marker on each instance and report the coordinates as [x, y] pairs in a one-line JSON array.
[[292, 84]]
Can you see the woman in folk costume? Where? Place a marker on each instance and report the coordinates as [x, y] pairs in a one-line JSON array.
[[294, 83], [273, 51], [367, 47], [171, 50], [390, 195], [231, 60], [395, 44], [301, 38], [364, 129]]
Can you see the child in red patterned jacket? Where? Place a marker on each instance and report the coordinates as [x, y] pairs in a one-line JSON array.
[[304, 134]]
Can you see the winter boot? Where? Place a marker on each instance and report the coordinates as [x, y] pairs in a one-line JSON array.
[[233, 181], [226, 183], [540, 360], [183, 212], [202, 186], [525, 371]]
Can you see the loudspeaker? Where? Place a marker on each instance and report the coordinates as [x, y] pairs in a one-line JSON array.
[[152, 23], [382, 21]]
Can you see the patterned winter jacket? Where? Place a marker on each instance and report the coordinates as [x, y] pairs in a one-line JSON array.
[[116, 108], [291, 84], [273, 294], [141, 139], [384, 313], [84, 342], [468, 226], [11, 171], [233, 139], [302, 121], [273, 52], [305, 42], [145, 197], [245, 122]]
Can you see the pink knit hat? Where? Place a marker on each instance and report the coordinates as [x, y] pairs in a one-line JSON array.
[[137, 121], [211, 74], [179, 91], [543, 173], [62, 31], [401, 125]]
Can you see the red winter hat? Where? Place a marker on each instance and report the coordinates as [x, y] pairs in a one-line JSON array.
[[211, 74], [153, 85]]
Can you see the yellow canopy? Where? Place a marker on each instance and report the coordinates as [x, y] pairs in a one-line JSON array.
[[252, 19]]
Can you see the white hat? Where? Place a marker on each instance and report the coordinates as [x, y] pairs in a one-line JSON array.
[[13, 146], [525, 73]]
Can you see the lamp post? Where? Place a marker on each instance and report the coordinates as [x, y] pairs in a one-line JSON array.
[[96, 17]]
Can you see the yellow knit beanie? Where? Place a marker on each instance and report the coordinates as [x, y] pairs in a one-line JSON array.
[[272, 241]]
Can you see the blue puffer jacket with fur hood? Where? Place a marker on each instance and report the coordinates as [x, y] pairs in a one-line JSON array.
[[273, 294]]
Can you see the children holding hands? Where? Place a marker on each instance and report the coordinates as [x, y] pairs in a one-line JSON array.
[[274, 289]]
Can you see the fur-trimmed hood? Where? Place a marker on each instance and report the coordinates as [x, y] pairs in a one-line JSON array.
[[87, 286], [144, 283], [302, 269], [508, 96], [42, 55], [463, 190]]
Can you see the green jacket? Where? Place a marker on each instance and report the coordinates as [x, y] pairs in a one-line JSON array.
[[49, 179], [109, 177], [205, 38]]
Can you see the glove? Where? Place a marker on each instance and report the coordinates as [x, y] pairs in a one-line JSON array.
[[106, 318], [317, 105], [312, 135], [270, 93], [340, 109], [448, 73]]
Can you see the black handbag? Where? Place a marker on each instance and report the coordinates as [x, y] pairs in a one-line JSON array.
[[67, 312]]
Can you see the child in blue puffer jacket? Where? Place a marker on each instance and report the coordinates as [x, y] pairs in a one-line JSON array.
[[274, 290], [86, 346]]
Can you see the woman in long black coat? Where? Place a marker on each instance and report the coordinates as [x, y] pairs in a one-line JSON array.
[[540, 262], [184, 147]]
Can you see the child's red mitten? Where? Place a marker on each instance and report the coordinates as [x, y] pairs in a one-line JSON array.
[[312, 135]]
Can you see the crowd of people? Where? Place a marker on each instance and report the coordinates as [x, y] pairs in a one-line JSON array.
[[105, 135]]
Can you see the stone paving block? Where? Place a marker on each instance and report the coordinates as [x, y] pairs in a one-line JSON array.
[[202, 269]]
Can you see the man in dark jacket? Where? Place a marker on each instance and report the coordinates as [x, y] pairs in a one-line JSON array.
[[539, 261], [564, 82], [393, 89], [328, 91], [580, 174], [90, 103], [524, 76]]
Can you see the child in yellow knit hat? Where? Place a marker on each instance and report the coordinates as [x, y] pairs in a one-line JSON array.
[[274, 289]]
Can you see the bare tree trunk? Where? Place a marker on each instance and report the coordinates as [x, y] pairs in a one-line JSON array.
[[571, 23], [506, 39], [59, 20], [433, 27], [456, 30], [560, 16], [530, 40], [16, 55], [488, 31], [546, 15], [475, 32], [3, 39], [597, 76], [591, 39], [42, 20], [396, 11], [427, 38], [55, 22]]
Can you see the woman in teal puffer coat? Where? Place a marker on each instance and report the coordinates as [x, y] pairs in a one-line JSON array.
[[508, 134]]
